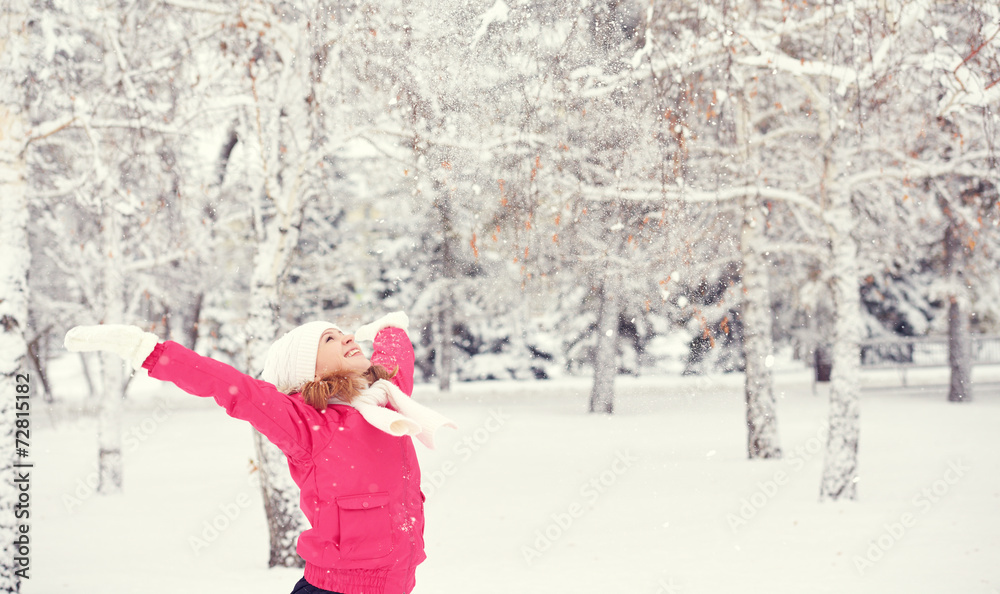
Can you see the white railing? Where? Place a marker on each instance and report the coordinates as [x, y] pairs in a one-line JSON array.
[[925, 351]]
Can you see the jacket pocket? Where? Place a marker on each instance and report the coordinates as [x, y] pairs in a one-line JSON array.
[[365, 529]]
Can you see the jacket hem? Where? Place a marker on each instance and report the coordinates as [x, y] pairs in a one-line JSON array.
[[348, 581]]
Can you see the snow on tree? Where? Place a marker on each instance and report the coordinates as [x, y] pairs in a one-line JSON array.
[[573, 144], [846, 100], [102, 170], [808, 54], [431, 192], [954, 157], [936, 168], [282, 127], [733, 149]]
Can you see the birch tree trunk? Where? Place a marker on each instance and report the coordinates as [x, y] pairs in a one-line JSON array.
[[840, 466], [762, 424], [35, 349], [109, 418], [277, 241], [445, 323], [280, 493], [13, 271], [190, 320], [280, 122], [959, 343], [444, 357], [840, 463], [602, 395]]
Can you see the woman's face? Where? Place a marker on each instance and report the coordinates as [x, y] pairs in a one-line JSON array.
[[339, 352]]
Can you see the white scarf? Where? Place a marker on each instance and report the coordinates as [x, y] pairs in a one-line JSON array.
[[412, 419]]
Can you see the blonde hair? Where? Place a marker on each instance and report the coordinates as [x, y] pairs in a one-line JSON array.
[[343, 385]]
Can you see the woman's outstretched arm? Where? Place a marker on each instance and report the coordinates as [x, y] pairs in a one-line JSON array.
[[285, 420]]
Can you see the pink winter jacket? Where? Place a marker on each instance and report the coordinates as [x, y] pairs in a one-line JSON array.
[[360, 487]]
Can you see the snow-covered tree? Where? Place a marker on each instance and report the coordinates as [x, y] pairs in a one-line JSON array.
[[282, 55], [954, 157], [735, 148], [568, 207], [421, 68], [101, 171]]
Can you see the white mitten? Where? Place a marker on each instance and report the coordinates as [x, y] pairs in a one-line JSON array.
[[396, 319], [128, 342]]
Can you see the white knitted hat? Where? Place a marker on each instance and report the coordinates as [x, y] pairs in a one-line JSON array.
[[291, 360]]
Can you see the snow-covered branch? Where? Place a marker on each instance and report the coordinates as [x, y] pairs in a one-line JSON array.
[[49, 128], [913, 169], [656, 193], [209, 7], [155, 261]]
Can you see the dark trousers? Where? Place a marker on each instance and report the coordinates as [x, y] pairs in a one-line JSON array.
[[304, 587]]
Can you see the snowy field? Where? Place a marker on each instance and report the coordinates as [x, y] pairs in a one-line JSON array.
[[533, 495]]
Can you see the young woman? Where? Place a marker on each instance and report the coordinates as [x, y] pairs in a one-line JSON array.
[[343, 421]]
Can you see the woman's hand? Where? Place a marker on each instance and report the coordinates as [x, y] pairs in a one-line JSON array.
[[396, 319], [128, 342]]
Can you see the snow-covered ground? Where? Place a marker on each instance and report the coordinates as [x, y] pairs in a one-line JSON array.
[[534, 495]]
